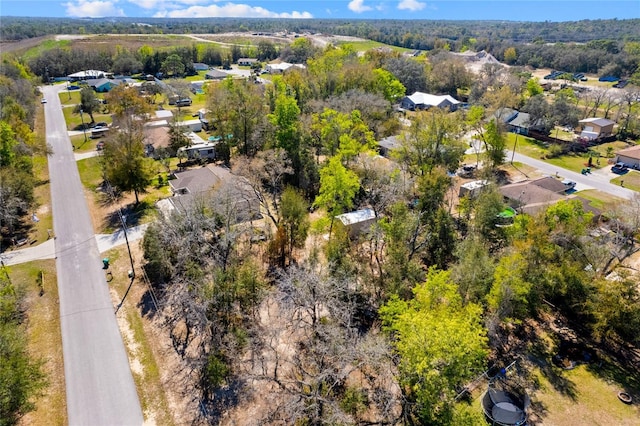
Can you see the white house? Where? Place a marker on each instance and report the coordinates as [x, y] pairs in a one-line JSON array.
[[421, 100], [281, 67]]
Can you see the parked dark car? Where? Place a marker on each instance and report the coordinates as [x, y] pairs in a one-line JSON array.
[[619, 168], [183, 102]]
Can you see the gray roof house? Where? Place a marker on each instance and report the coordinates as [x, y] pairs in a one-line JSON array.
[[194, 186], [215, 74], [421, 100], [527, 197], [516, 121], [199, 66], [388, 144]]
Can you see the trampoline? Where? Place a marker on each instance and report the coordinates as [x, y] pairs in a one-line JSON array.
[[502, 409]]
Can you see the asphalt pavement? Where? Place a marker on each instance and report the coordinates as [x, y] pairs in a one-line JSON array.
[[599, 179], [99, 384]]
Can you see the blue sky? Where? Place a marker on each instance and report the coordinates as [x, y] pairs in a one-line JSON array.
[[513, 10]]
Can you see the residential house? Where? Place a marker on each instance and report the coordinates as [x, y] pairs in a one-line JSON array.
[[388, 144], [529, 197], [202, 151], [358, 221], [246, 62], [215, 74], [199, 66], [197, 87], [550, 184], [282, 67], [192, 186], [596, 128], [155, 137], [629, 156], [516, 121], [102, 85], [421, 100], [88, 75]]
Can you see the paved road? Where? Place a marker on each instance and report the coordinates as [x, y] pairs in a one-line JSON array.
[[599, 179], [99, 383]]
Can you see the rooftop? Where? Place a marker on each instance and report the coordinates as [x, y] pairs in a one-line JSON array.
[[598, 121], [631, 152], [357, 216], [420, 98]]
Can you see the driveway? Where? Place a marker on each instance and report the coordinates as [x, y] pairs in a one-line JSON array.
[[99, 385]]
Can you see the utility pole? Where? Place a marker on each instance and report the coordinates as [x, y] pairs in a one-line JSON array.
[[513, 153], [84, 130]]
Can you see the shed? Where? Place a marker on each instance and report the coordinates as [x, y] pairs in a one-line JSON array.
[[596, 128], [357, 221], [629, 156], [472, 189], [421, 100]]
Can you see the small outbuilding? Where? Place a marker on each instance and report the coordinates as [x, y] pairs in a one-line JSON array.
[[357, 221], [472, 189], [596, 128]]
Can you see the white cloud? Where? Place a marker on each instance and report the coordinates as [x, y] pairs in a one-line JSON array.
[[358, 6], [230, 10], [164, 4], [412, 5], [92, 9]]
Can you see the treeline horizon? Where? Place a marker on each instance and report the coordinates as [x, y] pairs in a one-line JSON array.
[[390, 31]]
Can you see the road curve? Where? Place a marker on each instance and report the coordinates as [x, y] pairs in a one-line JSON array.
[[594, 180], [99, 384]]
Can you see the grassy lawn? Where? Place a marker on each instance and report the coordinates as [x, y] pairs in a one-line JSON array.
[[573, 161], [74, 121], [78, 141], [69, 97], [137, 337], [197, 77], [526, 146], [599, 200], [590, 400], [90, 171], [629, 180], [104, 209], [45, 340], [368, 45]]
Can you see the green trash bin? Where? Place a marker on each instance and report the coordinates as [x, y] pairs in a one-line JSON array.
[[105, 262]]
